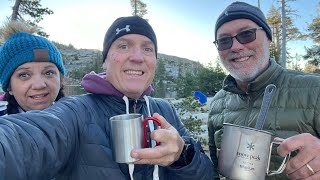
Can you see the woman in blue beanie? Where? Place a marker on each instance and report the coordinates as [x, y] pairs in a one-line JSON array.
[[33, 69]]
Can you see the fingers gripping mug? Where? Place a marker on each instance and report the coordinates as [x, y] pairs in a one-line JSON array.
[[245, 153], [128, 132]]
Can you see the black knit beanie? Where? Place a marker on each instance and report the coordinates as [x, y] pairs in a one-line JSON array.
[[127, 25], [242, 10]]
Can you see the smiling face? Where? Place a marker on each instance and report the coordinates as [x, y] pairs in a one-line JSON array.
[[244, 61], [130, 64], [35, 85]]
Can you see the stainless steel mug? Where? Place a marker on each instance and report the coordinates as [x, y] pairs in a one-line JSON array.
[[245, 153], [128, 132]]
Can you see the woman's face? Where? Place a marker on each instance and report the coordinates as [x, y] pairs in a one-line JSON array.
[[35, 85]]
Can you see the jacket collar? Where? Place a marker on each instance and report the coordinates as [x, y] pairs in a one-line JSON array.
[[97, 84]]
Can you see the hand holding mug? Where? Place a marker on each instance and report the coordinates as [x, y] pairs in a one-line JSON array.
[[306, 164], [128, 132], [169, 148]]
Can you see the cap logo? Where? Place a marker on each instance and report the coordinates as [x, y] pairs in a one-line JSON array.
[[226, 13], [127, 29], [41, 55]]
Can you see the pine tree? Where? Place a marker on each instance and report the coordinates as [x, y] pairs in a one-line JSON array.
[[30, 11], [139, 8], [313, 53]]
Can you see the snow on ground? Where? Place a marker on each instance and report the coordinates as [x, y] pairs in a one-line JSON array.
[[199, 115]]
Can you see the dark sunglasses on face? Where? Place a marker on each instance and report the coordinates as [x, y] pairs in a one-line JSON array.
[[242, 37]]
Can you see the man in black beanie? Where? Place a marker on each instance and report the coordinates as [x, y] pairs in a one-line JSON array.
[[128, 25], [73, 138], [242, 37]]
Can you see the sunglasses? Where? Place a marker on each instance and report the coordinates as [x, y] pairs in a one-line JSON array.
[[242, 37]]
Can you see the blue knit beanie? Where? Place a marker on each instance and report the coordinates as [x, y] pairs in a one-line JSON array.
[[23, 47], [242, 10], [127, 25]]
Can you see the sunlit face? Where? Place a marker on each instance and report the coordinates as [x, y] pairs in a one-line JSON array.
[[35, 85], [130, 64], [244, 61]]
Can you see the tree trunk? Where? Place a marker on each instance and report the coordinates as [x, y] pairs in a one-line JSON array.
[[135, 7], [15, 10], [284, 32]]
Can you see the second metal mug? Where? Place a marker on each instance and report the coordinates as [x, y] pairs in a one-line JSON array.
[[245, 153]]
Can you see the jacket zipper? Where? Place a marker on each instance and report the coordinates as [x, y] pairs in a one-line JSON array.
[[135, 102], [250, 105]]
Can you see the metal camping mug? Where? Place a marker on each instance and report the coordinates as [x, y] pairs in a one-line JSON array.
[[128, 132], [246, 152]]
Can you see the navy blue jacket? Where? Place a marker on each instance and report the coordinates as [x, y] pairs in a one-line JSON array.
[[71, 140]]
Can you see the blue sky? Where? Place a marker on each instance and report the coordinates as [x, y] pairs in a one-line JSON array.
[[184, 28]]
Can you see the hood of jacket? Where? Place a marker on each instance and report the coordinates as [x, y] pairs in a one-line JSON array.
[[97, 83]]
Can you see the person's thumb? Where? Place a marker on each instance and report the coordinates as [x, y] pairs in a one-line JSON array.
[[163, 121]]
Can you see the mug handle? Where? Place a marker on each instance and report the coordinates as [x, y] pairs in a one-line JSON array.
[[145, 131], [283, 164]]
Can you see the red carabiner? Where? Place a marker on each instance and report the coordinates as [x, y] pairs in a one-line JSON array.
[[145, 132]]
